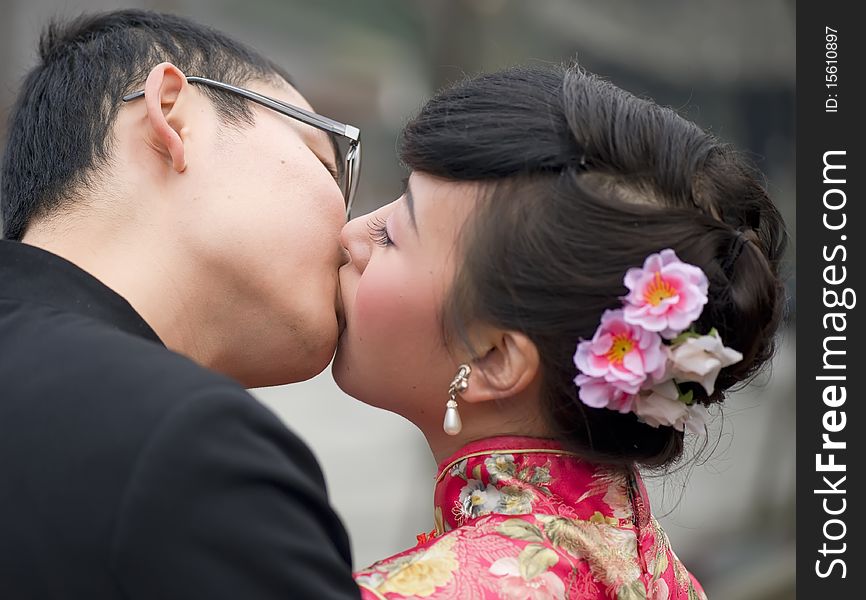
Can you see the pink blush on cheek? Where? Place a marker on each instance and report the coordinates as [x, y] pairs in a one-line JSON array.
[[394, 356], [393, 313]]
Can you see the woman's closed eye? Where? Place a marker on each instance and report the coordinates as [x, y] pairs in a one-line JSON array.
[[379, 232]]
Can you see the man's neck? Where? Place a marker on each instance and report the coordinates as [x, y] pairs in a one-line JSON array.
[[145, 273]]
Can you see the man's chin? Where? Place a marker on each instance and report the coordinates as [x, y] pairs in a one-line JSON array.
[[279, 377], [297, 365]]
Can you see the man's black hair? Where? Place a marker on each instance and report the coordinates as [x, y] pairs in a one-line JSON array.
[[60, 127]]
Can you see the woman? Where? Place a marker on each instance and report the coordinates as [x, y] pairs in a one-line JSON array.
[[571, 277]]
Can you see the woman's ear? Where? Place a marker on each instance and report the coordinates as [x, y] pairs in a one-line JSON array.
[[165, 92], [507, 365]]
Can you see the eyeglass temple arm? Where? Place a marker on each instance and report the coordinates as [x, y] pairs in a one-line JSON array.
[[317, 121]]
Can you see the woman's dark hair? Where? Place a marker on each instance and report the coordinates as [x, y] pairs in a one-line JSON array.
[[583, 181], [60, 127]]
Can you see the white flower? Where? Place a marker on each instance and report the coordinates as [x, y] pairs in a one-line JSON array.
[[476, 500], [661, 405], [700, 359], [500, 466], [698, 415]]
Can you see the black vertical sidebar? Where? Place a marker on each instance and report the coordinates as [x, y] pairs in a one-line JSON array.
[[831, 361]]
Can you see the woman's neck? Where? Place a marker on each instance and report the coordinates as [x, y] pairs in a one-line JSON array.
[[485, 422]]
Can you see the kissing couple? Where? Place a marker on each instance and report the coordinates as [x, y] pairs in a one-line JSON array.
[[572, 277]]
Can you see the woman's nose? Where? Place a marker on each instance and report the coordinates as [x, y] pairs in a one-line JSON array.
[[356, 240]]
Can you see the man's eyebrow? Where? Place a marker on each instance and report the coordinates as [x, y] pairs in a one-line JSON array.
[[332, 169], [338, 156], [410, 204]]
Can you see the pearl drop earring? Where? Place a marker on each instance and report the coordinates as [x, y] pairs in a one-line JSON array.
[[452, 424]]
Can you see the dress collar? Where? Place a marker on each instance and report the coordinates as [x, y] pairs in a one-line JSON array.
[[30, 275], [522, 475]]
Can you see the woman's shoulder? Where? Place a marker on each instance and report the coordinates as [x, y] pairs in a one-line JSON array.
[[536, 556]]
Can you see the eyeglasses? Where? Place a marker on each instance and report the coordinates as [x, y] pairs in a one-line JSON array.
[[352, 169]]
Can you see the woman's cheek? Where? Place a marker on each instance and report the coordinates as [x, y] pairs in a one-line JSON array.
[[395, 306]]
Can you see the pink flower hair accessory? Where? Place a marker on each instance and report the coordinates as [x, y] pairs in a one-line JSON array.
[[617, 361], [640, 354], [666, 295]]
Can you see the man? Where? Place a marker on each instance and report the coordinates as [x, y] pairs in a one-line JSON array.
[[153, 240]]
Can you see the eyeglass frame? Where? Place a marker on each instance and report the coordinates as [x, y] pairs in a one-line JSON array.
[[352, 168]]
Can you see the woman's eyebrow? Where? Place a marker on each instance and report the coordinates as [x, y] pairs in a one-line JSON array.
[[410, 204]]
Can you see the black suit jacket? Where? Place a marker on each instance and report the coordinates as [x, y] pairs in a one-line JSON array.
[[128, 471]]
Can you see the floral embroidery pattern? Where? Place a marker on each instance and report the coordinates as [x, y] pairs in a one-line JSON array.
[[530, 520], [500, 466], [510, 490], [418, 573], [476, 500], [610, 551], [518, 584]]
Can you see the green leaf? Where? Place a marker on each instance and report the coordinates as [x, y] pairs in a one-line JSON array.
[[564, 533], [535, 560], [687, 398], [632, 591], [476, 472], [518, 529], [540, 475], [661, 563], [684, 336]]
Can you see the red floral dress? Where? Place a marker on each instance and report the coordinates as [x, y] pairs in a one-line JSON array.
[[521, 518]]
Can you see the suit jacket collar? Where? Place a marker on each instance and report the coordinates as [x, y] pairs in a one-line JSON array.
[[30, 275]]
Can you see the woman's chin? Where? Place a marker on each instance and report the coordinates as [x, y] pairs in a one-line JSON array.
[[345, 378]]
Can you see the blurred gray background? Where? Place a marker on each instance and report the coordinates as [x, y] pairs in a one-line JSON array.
[[729, 66]]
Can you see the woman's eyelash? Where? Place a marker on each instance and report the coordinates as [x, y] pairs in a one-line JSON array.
[[379, 232]]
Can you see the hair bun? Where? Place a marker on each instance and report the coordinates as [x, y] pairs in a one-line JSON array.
[[547, 248]]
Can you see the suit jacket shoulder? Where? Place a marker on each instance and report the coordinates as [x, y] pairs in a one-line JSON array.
[[127, 470]]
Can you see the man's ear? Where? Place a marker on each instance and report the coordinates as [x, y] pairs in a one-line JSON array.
[[165, 90], [508, 364]]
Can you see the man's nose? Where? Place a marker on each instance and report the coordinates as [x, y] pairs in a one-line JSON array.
[[356, 241]]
